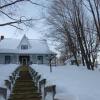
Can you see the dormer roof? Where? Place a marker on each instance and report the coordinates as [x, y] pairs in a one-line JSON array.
[[24, 41]]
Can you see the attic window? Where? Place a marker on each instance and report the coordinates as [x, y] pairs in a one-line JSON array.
[[24, 47]]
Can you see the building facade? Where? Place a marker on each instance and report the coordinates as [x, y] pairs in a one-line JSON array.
[[24, 51]]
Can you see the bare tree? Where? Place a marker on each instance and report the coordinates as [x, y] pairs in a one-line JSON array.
[[95, 11], [87, 40], [61, 29], [8, 9], [68, 20]]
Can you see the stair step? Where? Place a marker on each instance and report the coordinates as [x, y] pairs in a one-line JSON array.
[[30, 93], [23, 90], [25, 82], [22, 81], [25, 95], [34, 98], [24, 85], [26, 98]]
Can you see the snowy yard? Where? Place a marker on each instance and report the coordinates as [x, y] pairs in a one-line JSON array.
[[72, 83], [5, 71]]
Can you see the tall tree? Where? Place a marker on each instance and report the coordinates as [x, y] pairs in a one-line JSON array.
[[62, 32], [69, 22], [95, 11]]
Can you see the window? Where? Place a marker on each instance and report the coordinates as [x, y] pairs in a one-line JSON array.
[[7, 59], [24, 47], [40, 59]]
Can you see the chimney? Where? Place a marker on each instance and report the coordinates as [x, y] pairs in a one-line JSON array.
[[2, 37]]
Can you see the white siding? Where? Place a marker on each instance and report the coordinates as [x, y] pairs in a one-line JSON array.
[[14, 58], [2, 58], [34, 59], [45, 59]]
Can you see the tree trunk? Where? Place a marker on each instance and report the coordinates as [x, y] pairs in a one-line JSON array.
[[83, 61]]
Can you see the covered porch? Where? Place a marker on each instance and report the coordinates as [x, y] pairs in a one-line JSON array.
[[27, 59], [24, 58]]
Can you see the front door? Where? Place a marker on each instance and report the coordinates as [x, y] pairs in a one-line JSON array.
[[24, 60]]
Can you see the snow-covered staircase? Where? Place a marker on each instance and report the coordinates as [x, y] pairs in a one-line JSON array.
[[25, 88]]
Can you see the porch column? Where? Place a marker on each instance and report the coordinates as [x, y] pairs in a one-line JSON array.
[[31, 58], [17, 60], [36, 59]]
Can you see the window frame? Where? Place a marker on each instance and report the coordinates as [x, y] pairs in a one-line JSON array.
[[24, 47], [7, 59], [40, 58]]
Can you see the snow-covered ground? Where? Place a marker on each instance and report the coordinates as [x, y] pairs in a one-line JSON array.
[[72, 83], [5, 71]]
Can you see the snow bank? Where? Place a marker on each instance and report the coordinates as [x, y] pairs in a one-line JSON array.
[[72, 83], [5, 71]]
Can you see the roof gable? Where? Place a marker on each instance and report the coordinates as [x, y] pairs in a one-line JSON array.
[[24, 41], [35, 46]]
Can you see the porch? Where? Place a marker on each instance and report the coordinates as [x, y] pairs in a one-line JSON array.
[[23, 59]]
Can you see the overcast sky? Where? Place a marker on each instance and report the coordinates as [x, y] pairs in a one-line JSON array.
[[29, 10]]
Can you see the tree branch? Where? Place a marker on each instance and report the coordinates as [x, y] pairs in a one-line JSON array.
[[16, 27], [17, 1], [7, 15], [14, 22], [12, 3]]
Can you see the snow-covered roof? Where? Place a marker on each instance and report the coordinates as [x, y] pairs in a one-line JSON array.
[[36, 46]]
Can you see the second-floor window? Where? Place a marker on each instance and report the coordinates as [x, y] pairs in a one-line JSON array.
[[24, 47]]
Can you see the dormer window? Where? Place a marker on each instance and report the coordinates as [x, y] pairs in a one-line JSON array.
[[24, 47]]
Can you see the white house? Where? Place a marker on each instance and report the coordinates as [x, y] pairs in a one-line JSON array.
[[24, 51]]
